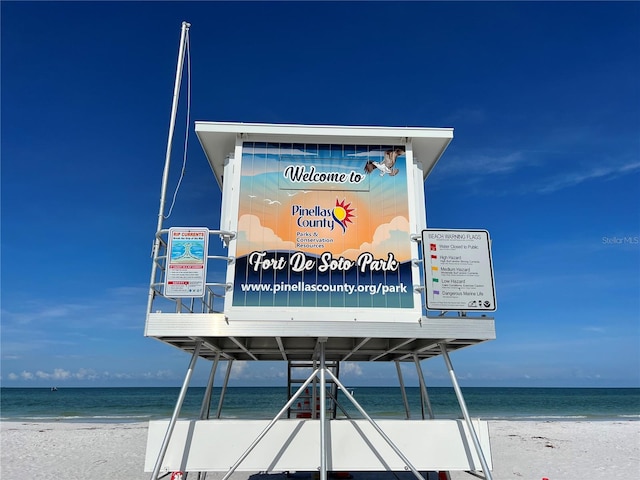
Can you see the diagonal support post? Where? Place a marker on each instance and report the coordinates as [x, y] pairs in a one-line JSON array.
[[424, 395], [176, 411], [465, 412], [271, 424], [376, 426]]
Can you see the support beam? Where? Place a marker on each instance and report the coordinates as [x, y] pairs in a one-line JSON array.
[[223, 392], [465, 413], [393, 349], [424, 395], [323, 411], [176, 411], [356, 348], [281, 348], [362, 411], [403, 390], [206, 400], [242, 347], [270, 425]]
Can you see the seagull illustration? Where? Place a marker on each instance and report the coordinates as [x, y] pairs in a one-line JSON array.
[[272, 202], [252, 196], [387, 164]]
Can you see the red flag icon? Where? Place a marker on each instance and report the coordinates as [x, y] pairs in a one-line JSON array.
[[433, 247]]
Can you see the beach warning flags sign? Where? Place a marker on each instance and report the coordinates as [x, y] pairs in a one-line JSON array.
[[177, 476]]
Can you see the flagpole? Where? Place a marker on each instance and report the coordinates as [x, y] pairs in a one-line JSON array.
[[167, 160], [172, 123]]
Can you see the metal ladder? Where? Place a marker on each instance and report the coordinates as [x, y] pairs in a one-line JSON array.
[[308, 406]]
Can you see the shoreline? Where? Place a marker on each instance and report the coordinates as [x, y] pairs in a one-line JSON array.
[[521, 449], [106, 420]]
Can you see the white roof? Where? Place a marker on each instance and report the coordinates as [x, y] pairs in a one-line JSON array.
[[218, 139]]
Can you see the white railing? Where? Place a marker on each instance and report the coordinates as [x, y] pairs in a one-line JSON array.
[[215, 291]]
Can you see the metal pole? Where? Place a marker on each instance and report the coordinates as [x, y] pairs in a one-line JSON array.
[[206, 401], [205, 409], [323, 413], [172, 122], [288, 384], [176, 411], [167, 159], [223, 393], [314, 395], [334, 392], [403, 390], [377, 427], [465, 412], [423, 387], [271, 424]]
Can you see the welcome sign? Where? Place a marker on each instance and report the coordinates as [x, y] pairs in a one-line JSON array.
[[322, 225]]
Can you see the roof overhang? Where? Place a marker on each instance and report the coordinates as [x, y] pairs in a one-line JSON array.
[[218, 139]]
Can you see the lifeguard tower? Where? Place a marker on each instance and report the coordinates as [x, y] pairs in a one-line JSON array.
[[328, 260]]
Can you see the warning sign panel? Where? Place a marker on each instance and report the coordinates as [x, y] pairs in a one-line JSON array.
[[186, 262], [458, 270]]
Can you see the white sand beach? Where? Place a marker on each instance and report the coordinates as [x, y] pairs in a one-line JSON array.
[[531, 450]]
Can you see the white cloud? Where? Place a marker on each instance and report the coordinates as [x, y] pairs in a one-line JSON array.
[[351, 368], [475, 168], [41, 314], [484, 164], [57, 374], [572, 179], [594, 329], [389, 237], [251, 230], [84, 374], [114, 309], [157, 375], [238, 369]]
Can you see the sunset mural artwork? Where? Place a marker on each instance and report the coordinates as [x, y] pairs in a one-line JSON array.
[[323, 226]]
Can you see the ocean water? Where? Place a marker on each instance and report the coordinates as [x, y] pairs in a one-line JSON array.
[[143, 404]]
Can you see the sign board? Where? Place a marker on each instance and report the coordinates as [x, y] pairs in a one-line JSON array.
[[323, 225], [186, 269], [458, 270]]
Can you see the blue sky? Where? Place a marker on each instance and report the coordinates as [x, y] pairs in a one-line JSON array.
[[545, 102]]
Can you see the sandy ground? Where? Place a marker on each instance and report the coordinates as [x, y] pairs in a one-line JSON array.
[[520, 450]]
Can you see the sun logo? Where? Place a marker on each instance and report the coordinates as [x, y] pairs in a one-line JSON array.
[[342, 214]]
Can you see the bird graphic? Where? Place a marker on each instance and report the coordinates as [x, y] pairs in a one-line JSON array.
[[272, 202], [387, 165]]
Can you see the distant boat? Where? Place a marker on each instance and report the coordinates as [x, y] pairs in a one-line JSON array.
[[54, 389]]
